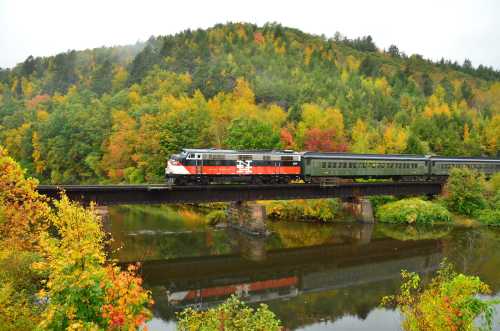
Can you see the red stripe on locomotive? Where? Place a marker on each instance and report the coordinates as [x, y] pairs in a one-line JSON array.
[[254, 170]]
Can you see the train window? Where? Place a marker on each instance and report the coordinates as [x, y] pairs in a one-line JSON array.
[[268, 158], [245, 157], [323, 165], [334, 165], [329, 164], [287, 158]]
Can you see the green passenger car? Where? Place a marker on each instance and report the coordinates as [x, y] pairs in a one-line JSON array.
[[344, 165], [441, 166]]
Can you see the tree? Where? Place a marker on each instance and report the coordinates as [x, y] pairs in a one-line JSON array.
[[369, 67], [464, 191], [102, 78], [393, 51], [247, 133], [427, 85]]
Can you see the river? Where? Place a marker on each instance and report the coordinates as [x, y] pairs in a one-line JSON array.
[[312, 276]]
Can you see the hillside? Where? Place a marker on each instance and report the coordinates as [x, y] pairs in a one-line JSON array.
[[115, 114]]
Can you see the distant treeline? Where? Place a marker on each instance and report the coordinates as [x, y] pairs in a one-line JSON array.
[[114, 114]]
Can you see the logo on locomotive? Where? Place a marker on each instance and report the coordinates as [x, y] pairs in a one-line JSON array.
[[244, 167]]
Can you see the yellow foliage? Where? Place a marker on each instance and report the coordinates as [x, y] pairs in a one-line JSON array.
[[394, 140], [353, 63], [134, 97], [243, 91], [492, 135], [120, 76], [37, 154], [384, 87], [307, 55]]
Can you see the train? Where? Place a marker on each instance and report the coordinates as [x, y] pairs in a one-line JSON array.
[[222, 166]]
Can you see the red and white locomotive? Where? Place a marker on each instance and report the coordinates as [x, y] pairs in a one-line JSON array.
[[205, 166]]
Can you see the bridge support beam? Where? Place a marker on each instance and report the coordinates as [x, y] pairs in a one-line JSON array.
[[248, 217], [360, 208]]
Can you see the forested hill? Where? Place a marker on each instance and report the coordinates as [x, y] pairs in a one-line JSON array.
[[115, 114]]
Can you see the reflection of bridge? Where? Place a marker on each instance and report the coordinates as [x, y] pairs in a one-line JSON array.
[[287, 273], [151, 194]]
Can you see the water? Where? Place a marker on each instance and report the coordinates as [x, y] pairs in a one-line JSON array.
[[313, 276]]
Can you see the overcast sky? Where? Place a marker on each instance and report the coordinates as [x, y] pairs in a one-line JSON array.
[[437, 28]]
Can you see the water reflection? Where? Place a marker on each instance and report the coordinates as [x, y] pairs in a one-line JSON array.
[[313, 276]]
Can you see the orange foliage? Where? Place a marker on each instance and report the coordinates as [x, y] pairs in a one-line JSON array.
[[24, 211], [286, 139], [258, 38]]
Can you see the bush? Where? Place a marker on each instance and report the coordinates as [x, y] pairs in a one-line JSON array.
[[413, 211], [83, 291], [380, 200], [449, 302], [324, 210], [216, 216], [489, 217], [54, 249], [232, 315], [465, 191]]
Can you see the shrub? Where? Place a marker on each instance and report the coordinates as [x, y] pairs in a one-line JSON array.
[[232, 315], [489, 216], [413, 211], [83, 291], [324, 210], [60, 247], [464, 191], [216, 216], [449, 302], [380, 200]]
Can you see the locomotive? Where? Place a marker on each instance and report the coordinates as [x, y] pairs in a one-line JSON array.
[[212, 166]]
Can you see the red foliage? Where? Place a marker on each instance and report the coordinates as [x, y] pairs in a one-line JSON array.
[[258, 38], [324, 141], [286, 139], [31, 104]]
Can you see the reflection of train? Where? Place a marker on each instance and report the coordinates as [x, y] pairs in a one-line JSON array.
[[205, 166]]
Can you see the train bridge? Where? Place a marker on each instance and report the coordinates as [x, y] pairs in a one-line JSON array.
[[105, 195]]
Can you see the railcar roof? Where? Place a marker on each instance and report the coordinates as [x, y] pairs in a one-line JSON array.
[[351, 156], [463, 159], [232, 151]]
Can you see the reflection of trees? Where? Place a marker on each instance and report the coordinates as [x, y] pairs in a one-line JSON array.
[[302, 234], [476, 252], [309, 308], [412, 232]]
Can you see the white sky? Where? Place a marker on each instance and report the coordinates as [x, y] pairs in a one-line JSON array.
[[454, 29]]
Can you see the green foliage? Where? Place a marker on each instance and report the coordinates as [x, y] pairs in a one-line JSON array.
[[246, 133], [232, 315], [216, 216], [464, 191], [380, 200], [325, 210], [489, 216], [449, 302], [413, 211]]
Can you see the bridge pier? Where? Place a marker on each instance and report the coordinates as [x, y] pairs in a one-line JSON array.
[[251, 248], [248, 217], [360, 208]]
